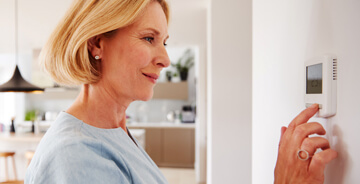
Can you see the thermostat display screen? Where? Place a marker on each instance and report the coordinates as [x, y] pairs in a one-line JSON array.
[[314, 79]]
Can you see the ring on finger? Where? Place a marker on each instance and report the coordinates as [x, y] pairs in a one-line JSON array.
[[303, 158]]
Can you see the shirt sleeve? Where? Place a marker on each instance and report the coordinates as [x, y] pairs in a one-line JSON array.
[[80, 162]]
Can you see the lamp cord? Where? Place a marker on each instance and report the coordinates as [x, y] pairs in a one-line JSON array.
[[16, 33]]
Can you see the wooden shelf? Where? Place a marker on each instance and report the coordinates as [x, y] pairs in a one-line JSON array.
[[163, 90], [171, 90], [56, 93], [171, 147]]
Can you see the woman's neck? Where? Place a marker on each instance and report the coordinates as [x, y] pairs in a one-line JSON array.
[[100, 108]]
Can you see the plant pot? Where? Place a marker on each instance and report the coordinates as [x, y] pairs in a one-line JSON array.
[[168, 76], [175, 79], [183, 75]]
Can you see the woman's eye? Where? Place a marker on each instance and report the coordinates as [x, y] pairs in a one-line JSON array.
[[149, 39]]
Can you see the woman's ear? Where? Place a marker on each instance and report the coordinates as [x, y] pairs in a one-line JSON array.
[[94, 46]]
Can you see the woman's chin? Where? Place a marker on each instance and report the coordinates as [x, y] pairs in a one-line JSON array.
[[147, 97]]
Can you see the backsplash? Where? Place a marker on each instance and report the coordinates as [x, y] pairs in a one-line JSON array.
[[139, 111], [153, 110]]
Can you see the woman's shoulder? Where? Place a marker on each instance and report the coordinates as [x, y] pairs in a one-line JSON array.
[[64, 132], [69, 134], [75, 160], [66, 151]]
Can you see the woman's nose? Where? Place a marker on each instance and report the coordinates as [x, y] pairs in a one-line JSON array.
[[163, 59]]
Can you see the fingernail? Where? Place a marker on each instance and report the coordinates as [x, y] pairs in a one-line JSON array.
[[314, 106]]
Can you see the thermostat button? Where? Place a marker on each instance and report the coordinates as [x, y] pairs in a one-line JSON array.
[[309, 104]]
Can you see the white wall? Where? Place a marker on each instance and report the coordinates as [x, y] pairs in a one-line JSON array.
[[229, 92], [36, 21], [285, 34], [7, 108], [7, 19]]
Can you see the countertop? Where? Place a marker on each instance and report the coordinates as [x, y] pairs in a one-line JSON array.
[[44, 125], [21, 137], [35, 138], [160, 125]]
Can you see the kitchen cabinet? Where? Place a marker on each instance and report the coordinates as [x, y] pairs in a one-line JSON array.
[[153, 145], [56, 93], [170, 147], [178, 148]]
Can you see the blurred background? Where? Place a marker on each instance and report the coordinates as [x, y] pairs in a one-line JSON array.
[[164, 125]]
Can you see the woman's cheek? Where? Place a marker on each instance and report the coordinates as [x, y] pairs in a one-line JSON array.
[[143, 56]]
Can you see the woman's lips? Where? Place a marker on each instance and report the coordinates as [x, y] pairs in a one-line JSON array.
[[151, 76]]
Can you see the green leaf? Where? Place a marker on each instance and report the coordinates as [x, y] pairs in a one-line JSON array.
[[187, 58], [30, 115]]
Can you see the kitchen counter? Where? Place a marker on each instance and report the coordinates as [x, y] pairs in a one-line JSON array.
[[21, 137], [44, 125], [161, 125], [35, 138]]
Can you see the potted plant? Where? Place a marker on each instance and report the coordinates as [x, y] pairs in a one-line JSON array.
[[31, 116], [169, 75], [184, 63], [175, 77]]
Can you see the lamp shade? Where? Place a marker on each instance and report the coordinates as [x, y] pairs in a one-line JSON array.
[[18, 84]]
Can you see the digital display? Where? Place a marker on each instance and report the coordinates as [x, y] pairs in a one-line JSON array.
[[314, 79]]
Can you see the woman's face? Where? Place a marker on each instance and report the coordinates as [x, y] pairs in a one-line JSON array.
[[132, 58]]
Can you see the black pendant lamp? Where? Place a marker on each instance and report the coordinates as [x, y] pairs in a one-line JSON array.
[[17, 83]]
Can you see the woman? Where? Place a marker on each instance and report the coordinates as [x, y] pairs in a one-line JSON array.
[[115, 48]]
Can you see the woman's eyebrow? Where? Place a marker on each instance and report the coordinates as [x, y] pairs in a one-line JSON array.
[[156, 32]]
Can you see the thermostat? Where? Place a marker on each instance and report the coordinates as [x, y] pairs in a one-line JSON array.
[[321, 84]]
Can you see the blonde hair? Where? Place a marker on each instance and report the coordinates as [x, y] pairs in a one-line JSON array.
[[65, 56]]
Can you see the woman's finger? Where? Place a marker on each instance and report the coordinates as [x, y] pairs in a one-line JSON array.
[[283, 130], [313, 143], [304, 116], [304, 130], [319, 161]]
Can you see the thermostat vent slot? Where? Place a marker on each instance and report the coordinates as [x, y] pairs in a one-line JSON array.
[[334, 69]]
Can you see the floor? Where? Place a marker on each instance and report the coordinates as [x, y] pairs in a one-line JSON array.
[[179, 175]]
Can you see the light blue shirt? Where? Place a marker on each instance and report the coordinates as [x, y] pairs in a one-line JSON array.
[[72, 151]]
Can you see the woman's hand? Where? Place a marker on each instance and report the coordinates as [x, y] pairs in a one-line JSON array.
[[290, 168]]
